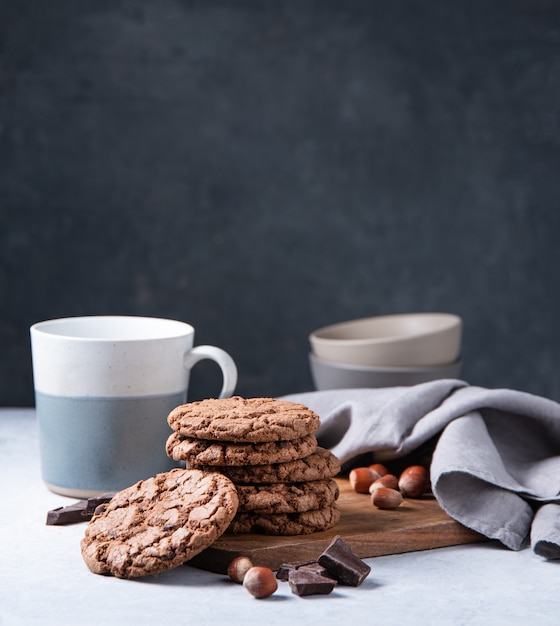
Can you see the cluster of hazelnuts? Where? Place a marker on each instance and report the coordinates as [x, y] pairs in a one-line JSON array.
[[387, 490]]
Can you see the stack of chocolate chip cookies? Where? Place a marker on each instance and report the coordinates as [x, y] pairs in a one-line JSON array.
[[267, 448]]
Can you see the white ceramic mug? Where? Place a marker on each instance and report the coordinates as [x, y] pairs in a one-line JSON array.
[[104, 386]]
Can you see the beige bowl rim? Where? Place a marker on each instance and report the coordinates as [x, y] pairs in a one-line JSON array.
[[437, 323]]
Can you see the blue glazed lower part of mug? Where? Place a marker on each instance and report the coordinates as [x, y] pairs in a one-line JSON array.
[[94, 445]]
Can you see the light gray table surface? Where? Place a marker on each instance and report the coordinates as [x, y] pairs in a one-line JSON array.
[[43, 579]]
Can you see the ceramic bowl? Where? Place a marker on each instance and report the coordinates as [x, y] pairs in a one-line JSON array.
[[403, 340], [329, 375]]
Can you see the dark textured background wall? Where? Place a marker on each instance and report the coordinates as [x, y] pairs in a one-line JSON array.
[[261, 169]]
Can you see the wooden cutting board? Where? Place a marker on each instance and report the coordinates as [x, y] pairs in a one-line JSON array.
[[418, 524]]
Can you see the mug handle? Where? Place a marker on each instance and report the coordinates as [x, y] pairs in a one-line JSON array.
[[222, 358]]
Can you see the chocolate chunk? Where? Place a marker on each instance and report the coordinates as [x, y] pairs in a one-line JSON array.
[[70, 514], [341, 562], [80, 511], [95, 501], [315, 568], [306, 583], [285, 569]]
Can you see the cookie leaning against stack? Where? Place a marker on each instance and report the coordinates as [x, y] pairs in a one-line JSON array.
[[268, 449], [158, 523]]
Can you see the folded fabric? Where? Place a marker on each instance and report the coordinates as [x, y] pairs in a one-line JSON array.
[[496, 463], [545, 531]]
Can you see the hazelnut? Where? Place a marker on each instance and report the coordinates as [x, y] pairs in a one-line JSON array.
[[238, 568], [260, 582], [385, 498], [361, 478], [413, 481], [388, 480], [379, 468]]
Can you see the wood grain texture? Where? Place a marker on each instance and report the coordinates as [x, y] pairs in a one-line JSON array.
[[418, 524]]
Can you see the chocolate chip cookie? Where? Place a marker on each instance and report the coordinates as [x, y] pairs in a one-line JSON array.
[[207, 452], [320, 464], [249, 420], [284, 524], [159, 523], [287, 497]]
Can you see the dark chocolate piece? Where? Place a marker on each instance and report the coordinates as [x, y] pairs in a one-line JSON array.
[[315, 568], [80, 511], [70, 514], [306, 583], [285, 569], [341, 562], [95, 501]]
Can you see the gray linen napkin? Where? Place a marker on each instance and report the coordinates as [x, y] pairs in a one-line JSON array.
[[496, 464]]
